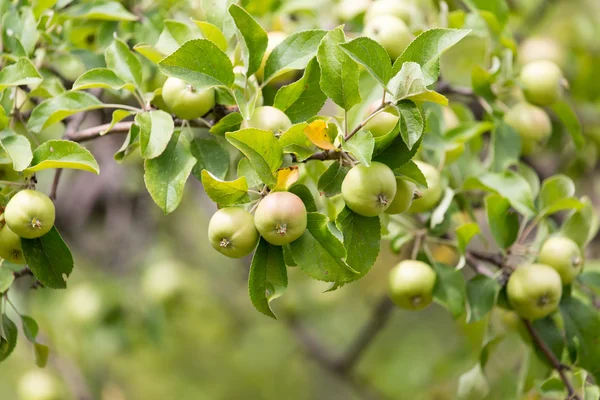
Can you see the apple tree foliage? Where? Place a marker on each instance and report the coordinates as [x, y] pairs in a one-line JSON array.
[[58, 57]]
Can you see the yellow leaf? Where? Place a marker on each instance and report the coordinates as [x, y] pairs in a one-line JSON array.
[[317, 133], [286, 177]]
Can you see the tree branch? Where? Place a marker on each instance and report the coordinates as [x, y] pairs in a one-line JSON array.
[[95, 131], [475, 263], [378, 319], [558, 366]]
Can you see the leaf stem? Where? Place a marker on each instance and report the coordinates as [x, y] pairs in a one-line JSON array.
[[364, 122], [124, 107]]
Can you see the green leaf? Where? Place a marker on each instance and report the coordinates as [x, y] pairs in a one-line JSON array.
[[482, 81], [506, 146], [440, 211], [49, 258], [229, 123], [40, 352], [165, 175], [362, 240], [268, 276], [503, 223], [210, 155], [409, 84], [473, 384], [56, 109], [465, 233], [295, 141], [100, 10], [450, 289], [330, 183], [8, 339], [62, 154], [531, 176], [7, 277], [212, 33], [30, 328], [156, 129], [320, 254], [293, 53], [130, 145], [149, 52], [253, 38], [306, 195], [23, 72], [371, 55], [411, 172], [18, 149], [412, 124], [175, 34], [123, 62], [555, 190], [498, 8], [361, 146], [569, 119], [262, 149], [397, 154], [582, 225], [508, 184], [481, 295], [246, 170], [101, 78], [304, 98], [339, 74], [225, 193], [427, 49], [201, 63]]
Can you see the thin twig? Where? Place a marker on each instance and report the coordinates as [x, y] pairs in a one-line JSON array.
[[95, 131], [475, 263], [556, 364], [362, 124]]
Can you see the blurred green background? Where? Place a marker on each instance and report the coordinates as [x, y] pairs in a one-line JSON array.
[[153, 312]]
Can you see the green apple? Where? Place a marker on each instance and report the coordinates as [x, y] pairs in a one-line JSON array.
[[280, 218], [231, 232], [275, 38], [532, 123], [411, 284], [39, 385], [564, 255], [30, 214], [185, 101], [391, 32], [534, 291], [84, 304], [383, 122], [269, 119], [10, 246], [431, 196], [401, 9], [405, 191], [162, 281], [369, 191], [543, 82]]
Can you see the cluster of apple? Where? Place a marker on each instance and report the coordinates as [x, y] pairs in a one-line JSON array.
[[29, 214], [543, 84]]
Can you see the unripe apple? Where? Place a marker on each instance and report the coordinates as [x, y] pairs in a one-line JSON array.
[[10, 246], [268, 118], [400, 9], [275, 38], [185, 101], [534, 291], [162, 281], [564, 255], [391, 32], [411, 284], [84, 304], [280, 218], [231, 232], [532, 123], [369, 191], [30, 214], [383, 122], [405, 191], [39, 385], [542, 82], [541, 48], [430, 196]]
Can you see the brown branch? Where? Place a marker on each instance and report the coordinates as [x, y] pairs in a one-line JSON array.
[[556, 364], [475, 263], [95, 131], [377, 321]]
